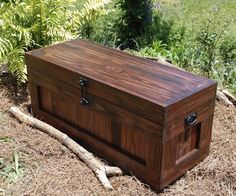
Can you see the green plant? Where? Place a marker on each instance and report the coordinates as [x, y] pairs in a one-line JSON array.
[[104, 27], [208, 45], [6, 139], [207, 48], [87, 16], [156, 50], [27, 24], [30, 24], [227, 52], [1, 116], [11, 171], [160, 29], [135, 17]]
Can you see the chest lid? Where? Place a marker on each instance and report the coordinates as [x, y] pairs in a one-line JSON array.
[[152, 81]]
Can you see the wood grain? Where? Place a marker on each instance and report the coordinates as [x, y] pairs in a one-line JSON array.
[[136, 112], [151, 81]]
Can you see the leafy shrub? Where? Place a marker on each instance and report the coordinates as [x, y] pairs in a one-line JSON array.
[[157, 50], [227, 52], [104, 29], [86, 18], [159, 29], [30, 24], [135, 18]]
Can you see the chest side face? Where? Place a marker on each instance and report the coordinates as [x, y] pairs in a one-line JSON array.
[[188, 129]]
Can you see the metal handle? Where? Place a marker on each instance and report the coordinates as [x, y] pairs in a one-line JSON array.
[[83, 83], [191, 119]]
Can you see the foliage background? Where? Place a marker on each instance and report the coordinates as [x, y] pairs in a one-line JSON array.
[[196, 35], [30, 24]]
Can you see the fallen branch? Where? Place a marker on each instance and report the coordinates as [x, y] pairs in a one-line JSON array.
[[229, 96], [223, 97], [101, 171]]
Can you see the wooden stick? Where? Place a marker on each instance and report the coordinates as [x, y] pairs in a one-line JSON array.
[[220, 96], [96, 166], [230, 97]]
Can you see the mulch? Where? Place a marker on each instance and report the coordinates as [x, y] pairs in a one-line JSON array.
[[51, 169]]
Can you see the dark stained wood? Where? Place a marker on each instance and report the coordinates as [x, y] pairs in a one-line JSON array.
[[116, 133], [97, 104], [136, 112], [123, 100], [45, 99], [134, 142], [129, 74], [187, 141]]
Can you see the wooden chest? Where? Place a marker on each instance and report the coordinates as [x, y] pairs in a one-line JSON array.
[[146, 117]]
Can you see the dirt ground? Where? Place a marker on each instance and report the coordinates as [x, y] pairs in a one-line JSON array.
[[32, 163]]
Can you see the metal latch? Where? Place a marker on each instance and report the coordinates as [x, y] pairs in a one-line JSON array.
[[83, 84]]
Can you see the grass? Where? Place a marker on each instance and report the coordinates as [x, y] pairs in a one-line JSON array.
[[194, 13], [5, 139], [202, 38], [1, 117], [11, 171]]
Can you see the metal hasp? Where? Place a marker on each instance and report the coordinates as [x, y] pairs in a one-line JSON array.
[[191, 119], [83, 83]]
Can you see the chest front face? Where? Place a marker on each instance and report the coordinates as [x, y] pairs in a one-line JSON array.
[[145, 117]]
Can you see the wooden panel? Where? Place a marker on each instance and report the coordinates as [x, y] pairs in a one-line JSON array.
[[130, 140], [154, 154], [188, 141], [45, 97], [86, 119], [60, 105], [118, 157], [182, 147], [178, 170], [205, 137], [101, 127], [116, 133], [98, 105], [68, 109], [111, 154], [33, 93], [134, 142], [170, 153], [117, 97], [184, 151]]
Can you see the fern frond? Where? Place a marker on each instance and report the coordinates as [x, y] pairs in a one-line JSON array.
[[5, 48], [92, 10], [17, 65]]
